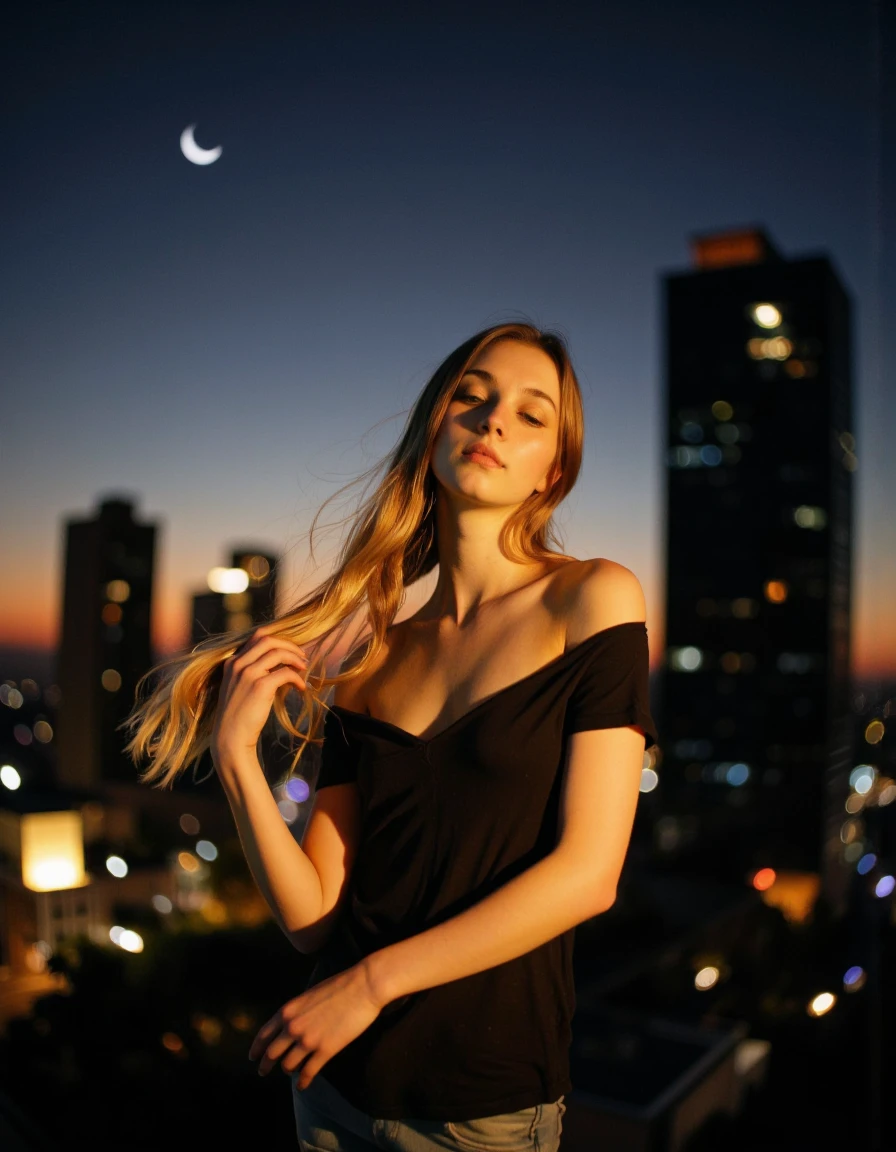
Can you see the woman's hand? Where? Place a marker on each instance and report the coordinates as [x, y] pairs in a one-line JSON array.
[[251, 678], [317, 1025]]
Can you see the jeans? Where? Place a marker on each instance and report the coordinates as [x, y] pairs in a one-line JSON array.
[[326, 1122]]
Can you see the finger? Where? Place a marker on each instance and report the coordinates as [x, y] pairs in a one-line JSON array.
[[312, 1065], [269, 660], [269, 682], [265, 1033], [254, 649], [309, 1070], [277, 1048], [297, 1057]]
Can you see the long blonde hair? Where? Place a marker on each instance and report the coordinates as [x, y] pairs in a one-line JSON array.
[[391, 544]]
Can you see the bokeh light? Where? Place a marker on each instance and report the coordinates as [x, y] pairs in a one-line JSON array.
[[821, 1003], [706, 978], [228, 580], [297, 789], [10, 777], [775, 591], [766, 315], [118, 591], [874, 733]]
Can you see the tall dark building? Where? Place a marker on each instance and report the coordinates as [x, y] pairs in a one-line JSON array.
[[760, 455], [218, 611], [105, 645]]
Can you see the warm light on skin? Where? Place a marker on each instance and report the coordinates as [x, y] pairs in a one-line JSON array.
[[521, 427]]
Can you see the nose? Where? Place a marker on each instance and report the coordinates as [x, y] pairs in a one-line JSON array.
[[491, 419]]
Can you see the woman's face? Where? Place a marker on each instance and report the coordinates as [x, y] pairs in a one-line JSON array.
[[508, 400]]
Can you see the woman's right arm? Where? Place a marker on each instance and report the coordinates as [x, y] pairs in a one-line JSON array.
[[285, 875], [283, 872]]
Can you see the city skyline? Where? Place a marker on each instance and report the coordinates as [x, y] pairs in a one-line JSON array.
[[228, 344]]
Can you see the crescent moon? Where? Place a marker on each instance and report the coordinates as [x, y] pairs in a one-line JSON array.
[[193, 152]]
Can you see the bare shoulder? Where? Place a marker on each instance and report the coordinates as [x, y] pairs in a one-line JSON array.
[[600, 593]]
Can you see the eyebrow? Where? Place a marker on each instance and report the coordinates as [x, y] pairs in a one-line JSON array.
[[490, 379]]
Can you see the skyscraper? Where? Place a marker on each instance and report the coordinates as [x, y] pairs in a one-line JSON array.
[[105, 644], [243, 596], [760, 456]]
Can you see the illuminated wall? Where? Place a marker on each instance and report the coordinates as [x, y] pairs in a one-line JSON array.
[[52, 847]]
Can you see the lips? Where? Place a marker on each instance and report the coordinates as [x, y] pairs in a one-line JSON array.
[[483, 449]]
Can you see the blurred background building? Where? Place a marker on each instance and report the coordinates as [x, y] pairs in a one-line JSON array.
[[239, 597], [105, 645], [760, 452]]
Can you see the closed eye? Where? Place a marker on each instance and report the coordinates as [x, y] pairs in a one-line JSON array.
[[470, 398]]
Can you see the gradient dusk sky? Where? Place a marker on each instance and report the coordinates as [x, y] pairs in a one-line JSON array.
[[228, 344]]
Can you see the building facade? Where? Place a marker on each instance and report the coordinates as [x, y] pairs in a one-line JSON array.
[[105, 646], [760, 461]]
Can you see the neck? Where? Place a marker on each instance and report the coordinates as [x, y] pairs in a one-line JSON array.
[[472, 568]]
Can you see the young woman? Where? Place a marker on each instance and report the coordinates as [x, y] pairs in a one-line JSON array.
[[480, 770]]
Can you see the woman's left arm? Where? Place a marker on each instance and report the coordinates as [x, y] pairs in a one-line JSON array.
[[574, 882]]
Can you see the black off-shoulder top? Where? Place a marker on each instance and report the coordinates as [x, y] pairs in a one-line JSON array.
[[445, 822]]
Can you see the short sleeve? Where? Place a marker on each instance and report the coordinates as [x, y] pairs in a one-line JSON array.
[[339, 755], [613, 689]]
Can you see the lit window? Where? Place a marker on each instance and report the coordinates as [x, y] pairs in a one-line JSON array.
[[228, 579], [687, 659], [775, 591], [809, 516], [773, 348], [118, 591], [766, 315], [257, 567]]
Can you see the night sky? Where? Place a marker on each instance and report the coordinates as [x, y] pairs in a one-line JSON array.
[[229, 344]]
